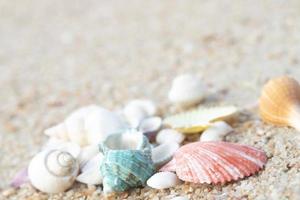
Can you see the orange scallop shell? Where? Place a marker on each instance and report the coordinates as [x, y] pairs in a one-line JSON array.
[[280, 102], [215, 162]]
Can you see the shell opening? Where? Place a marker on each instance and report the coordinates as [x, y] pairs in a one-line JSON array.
[[125, 141]]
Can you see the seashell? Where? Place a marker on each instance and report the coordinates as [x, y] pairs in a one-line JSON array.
[[164, 153], [90, 173], [198, 120], [53, 171], [20, 178], [150, 126], [127, 161], [180, 198], [137, 110], [87, 125], [163, 180], [86, 154], [216, 132], [279, 103], [186, 90], [169, 135], [216, 162]]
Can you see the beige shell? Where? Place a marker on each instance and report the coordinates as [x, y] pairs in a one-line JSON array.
[[53, 171], [280, 102], [196, 121]]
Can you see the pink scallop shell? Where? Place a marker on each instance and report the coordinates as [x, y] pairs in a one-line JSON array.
[[215, 162]]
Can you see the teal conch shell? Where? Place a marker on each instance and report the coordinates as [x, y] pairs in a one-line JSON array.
[[127, 161]]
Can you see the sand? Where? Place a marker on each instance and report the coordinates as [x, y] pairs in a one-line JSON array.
[[56, 56]]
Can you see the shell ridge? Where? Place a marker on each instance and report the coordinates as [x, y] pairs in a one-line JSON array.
[[112, 171], [240, 164], [143, 169], [222, 170], [190, 168], [246, 156], [205, 167], [229, 166], [247, 167], [115, 159]]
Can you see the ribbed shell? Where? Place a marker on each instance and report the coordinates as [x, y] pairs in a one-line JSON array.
[[125, 168], [279, 99], [198, 120], [215, 162]]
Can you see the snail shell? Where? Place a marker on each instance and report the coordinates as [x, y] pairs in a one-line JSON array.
[[280, 102], [53, 171], [127, 161]]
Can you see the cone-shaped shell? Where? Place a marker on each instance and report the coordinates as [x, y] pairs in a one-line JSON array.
[[215, 162], [198, 120], [127, 161], [280, 102]]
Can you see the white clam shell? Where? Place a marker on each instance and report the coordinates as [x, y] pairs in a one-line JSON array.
[[186, 90], [163, 180], [163, 153], [137, 110], [90, 172], [216, 132], [169, 135], [53, 171], [86, 154], [87, 125]]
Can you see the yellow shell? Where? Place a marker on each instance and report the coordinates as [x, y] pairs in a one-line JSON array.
[[279, 103], [198, 120]]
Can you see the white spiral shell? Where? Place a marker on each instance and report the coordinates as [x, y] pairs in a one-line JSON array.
[[53, 171], [87, 125]]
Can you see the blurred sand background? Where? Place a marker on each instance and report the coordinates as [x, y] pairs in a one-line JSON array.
[[56, 56]]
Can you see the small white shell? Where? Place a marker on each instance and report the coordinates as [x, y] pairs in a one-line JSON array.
[[53, 171], [90, 172], [216, 132], [180, 198], [163, 180], [137, 110], [164, 153], [86, 154], [169, 135], [87, 125], [186, 90]]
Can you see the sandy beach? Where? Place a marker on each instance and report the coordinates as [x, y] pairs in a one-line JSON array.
[[57, 56]]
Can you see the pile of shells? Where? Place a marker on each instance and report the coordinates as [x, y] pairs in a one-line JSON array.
[[136, 147]]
